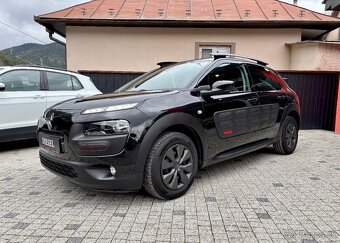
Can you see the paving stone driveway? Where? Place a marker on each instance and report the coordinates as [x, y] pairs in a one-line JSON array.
[[259, 197]]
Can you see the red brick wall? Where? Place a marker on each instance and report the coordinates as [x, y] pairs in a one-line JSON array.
[[337, 115]]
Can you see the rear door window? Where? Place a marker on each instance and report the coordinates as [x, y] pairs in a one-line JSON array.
[[76, 84], [264, 79], [62, 82]]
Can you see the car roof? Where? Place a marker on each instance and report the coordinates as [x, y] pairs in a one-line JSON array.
[[239, 59], [33, 67]]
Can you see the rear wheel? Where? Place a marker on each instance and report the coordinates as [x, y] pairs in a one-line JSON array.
[[288, 136], [171, 167]]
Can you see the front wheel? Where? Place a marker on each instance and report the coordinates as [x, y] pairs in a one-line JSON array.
[[288, 136], [171, 166]]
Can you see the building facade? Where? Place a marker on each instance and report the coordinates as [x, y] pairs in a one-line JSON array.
[[138, 49], [132, 36]]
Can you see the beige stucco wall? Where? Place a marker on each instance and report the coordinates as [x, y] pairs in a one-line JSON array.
[[319, 56], [139, 49], [334, 35], [304, 56]]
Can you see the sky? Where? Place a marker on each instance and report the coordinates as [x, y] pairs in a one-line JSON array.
[[19, 14]]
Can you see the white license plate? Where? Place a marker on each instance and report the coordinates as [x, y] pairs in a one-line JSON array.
[[50, 142]]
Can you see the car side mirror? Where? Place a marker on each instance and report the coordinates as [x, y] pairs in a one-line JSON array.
[[223, 85], [2, 86], [219, 87]]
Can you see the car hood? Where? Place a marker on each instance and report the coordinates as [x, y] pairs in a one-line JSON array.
[[111, 99]]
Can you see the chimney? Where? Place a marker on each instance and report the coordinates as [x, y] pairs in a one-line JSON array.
[[295, 2]]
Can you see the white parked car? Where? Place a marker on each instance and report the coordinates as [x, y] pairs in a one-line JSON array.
[[26, 92]]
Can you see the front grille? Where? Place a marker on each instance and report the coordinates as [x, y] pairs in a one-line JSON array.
[[60, 121], [52, 132], [65, 170]]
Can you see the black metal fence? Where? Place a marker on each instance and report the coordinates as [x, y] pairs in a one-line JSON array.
[[109, 82], [317, 92]]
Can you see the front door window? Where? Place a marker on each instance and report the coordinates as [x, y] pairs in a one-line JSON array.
[[229, 72], [21, 80]]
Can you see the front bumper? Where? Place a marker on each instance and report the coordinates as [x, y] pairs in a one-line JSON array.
[[94, 176], [86, 160]]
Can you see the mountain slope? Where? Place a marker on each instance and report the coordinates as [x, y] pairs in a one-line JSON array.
[[53, 55], [8, 60]]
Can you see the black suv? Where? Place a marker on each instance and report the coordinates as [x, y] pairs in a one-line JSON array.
[[158, 130]]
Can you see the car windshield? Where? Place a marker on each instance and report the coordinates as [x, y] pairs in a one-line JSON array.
[[176, 76]]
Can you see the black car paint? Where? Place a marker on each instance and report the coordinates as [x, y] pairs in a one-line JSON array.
[[156, 112]]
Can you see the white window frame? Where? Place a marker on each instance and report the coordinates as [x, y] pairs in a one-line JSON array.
[[215, 46]]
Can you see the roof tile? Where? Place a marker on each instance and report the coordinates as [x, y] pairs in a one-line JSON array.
[[85, 11], [179, 9], [250, 10], [131, 9], [155, 9], [273, 10], [212, 10], [202, 10], [108, 9], [299, 13], [226, 10]]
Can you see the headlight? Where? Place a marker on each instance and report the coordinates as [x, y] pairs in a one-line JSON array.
[[107, 128], [109, 108]]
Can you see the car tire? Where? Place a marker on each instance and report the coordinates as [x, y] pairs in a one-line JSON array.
[[171, 166], [288, 137]]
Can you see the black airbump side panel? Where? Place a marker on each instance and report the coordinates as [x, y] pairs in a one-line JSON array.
[[243, 120], [269, 115]]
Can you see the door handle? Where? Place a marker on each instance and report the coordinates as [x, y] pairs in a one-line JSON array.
[[38, 97], [281, 97], [252, 100], [79, 95]]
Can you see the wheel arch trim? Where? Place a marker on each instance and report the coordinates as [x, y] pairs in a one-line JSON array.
[[292, 109], [163, 124]]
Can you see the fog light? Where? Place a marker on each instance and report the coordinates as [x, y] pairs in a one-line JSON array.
[[113, 170]]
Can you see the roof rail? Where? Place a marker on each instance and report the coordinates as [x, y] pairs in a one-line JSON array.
[[219, 55], [38, 66]]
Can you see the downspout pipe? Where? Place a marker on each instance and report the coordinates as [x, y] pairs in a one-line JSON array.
[[50, 32]]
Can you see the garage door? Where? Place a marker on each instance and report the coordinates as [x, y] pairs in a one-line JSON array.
[[317, 93]]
